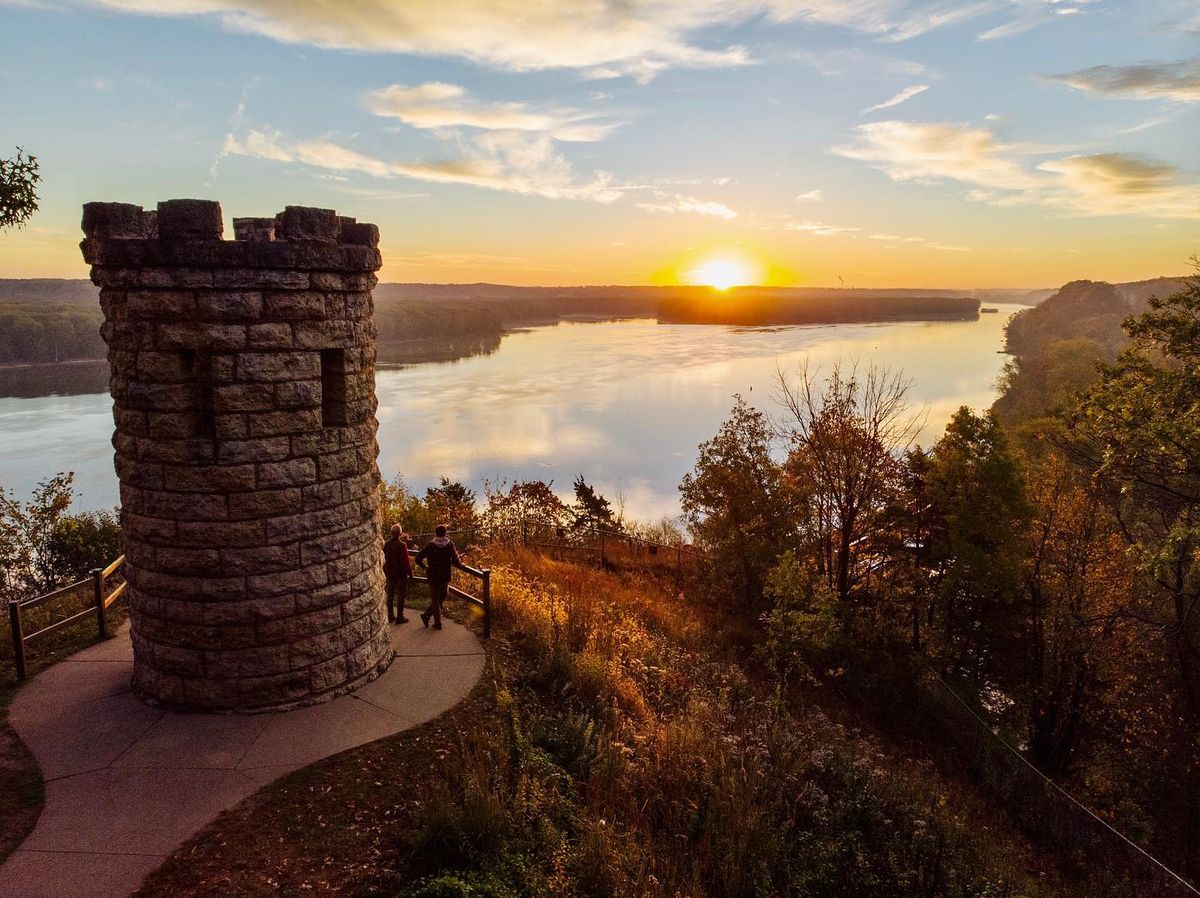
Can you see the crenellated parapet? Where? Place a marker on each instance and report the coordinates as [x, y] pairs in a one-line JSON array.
[[243, 383]]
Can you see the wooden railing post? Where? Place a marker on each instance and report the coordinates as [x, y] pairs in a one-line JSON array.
[[98, 592], [18, 637], [487, 602]]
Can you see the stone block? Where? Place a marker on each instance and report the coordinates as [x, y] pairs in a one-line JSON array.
[[278, 366], [229, 305], [299, 626], [337, 544], [310, 523], [116, 221], [297, 472], [328, 675], [231, 427], [151, 397], [261, 230], [360, 234], [323, 334], [344, 463], [322, 495], [298, 394], [269, 336], [160, 304], [167, 425], [243, 397], [326, 597], [211, 478], [222, 533], [198, 336], [177, 660], [189, 562], [316, 443], [260, 560], [265, 504], [189, 220], [269, 424], [348, 567], [265, 586], [279, 689], [307, 223], [231, 452], [297, 306]]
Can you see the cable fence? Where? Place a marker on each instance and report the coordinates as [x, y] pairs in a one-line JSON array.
[[1048, 812]]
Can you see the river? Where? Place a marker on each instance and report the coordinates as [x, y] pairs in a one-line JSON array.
[[624, 403]]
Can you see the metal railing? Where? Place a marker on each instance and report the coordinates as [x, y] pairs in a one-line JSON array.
[[101, 602], [483, 600]]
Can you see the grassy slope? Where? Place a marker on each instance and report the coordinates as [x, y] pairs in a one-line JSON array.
[[614, 746]]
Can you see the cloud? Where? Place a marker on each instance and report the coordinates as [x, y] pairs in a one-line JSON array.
[[818, 228], [672, 204], [903, 96], [1177, 81], [1003, 174], [439, 105], [908, 151], [1030, 14], [602, 38], [503, 160], [929, 244], [1119, 184], [811, 196]]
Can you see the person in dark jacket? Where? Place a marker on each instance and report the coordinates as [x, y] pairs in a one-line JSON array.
[[398, 571], [438, 558]]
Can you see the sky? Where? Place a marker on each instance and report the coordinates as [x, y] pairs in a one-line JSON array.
[[870, 143]]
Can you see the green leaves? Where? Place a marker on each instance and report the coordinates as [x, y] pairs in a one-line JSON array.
[[19, 177]]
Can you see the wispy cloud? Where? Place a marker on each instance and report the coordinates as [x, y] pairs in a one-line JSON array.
[[1026, 15], [811, 196], [900, 97], [817, 228], [895, 239], [439, 105], [503, 160], [1005, 174], [672, 204], [1177, 81]]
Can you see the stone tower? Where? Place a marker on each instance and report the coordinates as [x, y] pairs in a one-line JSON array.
[[243, 386]]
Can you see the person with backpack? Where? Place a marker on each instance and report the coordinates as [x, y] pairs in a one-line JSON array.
[[438, 559]]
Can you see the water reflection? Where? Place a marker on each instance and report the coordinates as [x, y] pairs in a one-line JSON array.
[[625, 403]]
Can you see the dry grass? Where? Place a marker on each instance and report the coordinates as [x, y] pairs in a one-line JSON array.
[[615, 746]]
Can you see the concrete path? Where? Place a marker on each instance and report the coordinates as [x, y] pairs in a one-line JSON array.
[[126, 784]]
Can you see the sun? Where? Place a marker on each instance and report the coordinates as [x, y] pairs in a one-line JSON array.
[[721, 274]]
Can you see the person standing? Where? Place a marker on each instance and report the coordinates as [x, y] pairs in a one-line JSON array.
[[438, 559], [398, 571]]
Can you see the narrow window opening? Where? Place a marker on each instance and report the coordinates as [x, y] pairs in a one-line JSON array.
[[198, 367], [333, 387]]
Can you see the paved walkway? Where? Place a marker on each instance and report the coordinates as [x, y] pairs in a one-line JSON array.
[[126, 784]]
